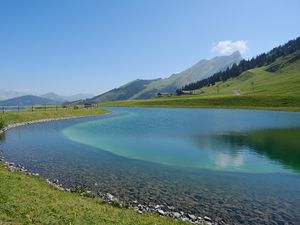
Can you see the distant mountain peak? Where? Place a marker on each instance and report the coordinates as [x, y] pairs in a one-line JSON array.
[[27, 100], [237, 53], [56, 97]]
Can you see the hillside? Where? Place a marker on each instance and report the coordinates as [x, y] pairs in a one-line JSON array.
[[27, 100], [284, 80], [256, 88], [236, 70], [200, 70], [144, 89], [124, 92]]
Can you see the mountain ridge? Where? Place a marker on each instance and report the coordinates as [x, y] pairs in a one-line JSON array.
[[27, 100], [9, 94], [144, 89], [70, 98]]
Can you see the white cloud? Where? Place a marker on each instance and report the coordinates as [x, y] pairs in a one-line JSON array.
[[228, 47]]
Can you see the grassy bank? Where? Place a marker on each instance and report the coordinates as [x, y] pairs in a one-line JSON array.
[[24, 116], [31, 200], [288, 103]]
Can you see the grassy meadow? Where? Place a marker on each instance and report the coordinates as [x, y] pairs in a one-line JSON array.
[[40, 113], [240, 102]]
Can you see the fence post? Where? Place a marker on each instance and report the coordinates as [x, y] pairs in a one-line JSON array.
[[2, 109], [45, 107], [18, 108], [32, 108], [56, 107]]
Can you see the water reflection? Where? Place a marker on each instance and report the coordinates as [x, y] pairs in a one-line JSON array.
[[2, 137], [264, 150], [280, 145], [223, 161]]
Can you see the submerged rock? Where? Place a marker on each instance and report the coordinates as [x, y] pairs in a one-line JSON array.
[[206, 218], [161, 212], [110, 197], [192, 217], [176, 215], [157, 207]]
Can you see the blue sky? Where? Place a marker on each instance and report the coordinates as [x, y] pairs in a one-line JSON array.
[[72, 46]]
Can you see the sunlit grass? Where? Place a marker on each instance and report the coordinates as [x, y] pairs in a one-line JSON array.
[[36, 114]]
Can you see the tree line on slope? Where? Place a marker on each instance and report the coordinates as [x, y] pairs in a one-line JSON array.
[[244, 65]]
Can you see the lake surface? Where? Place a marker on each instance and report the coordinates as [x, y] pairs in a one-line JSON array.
[[242, 166]]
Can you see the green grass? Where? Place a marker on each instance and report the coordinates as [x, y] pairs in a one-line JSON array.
[[254, 89], [242, 102], [24, 116], [2, 124], [30, 200]]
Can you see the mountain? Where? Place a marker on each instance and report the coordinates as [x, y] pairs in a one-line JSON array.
[[80, 96], [8, 94], [54, 97], [58, 98], [244, 65], [199, 71], [27, 100], [144, 89], [124, 92], [4, 94], [280, 78], [273, 85]]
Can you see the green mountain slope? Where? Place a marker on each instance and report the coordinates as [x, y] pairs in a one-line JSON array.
[[280, 78], [124, 92], [144, 89], [200, 70]]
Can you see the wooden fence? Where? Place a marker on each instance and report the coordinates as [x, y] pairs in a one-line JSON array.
[[33, 108]]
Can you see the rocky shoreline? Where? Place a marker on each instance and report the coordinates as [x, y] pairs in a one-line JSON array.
[[162, 210]]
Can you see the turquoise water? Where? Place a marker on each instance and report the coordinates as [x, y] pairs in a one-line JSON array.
[[186, 137], [241, 166]]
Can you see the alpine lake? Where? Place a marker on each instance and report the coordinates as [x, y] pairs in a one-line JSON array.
[[239, 166]]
